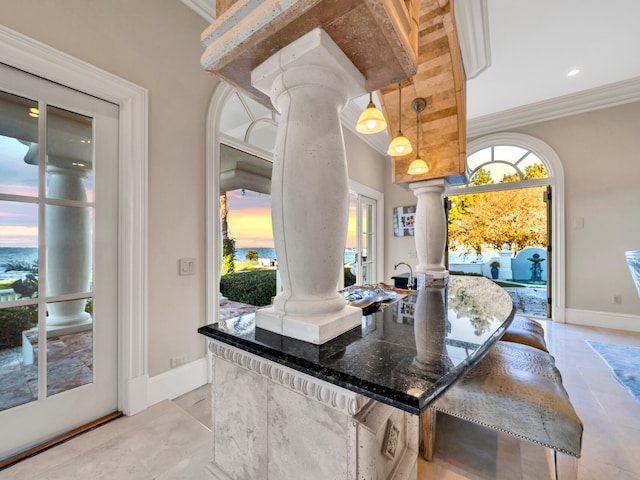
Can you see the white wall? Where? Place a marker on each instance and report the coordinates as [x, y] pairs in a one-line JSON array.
[[365, 164], [397, 249], [600, 154], [155, 44]]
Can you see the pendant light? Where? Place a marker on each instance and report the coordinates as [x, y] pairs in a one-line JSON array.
[[400, 145], [418, 166], [371, 120]]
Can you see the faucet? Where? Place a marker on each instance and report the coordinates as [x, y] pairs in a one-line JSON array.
[[410, 282]]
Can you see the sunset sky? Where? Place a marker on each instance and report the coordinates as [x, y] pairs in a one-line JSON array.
[[19, 220], [249, 214], [249, 220]]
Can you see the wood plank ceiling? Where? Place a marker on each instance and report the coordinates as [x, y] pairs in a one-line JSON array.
[[379, 38], [440, 80]]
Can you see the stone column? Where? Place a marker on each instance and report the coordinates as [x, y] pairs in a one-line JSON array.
[[309, 82], [430, 227], [68, 232], [430, 330], [505, 263]]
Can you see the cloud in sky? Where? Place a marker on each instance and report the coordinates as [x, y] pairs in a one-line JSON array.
[[16, 176], [18, 224], [351, 230], [15, 236], [249, 219]]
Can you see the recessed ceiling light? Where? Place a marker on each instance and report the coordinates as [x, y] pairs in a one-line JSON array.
[[573, 72]]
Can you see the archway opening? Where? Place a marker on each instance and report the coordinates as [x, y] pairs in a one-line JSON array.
[[500, 223]]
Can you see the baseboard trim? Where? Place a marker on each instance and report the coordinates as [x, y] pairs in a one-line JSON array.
[[177, 381], [137, 399], [591, 318]]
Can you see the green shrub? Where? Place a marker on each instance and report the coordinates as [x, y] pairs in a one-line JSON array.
[[349, 278], [14, 321], [259, 286], [228, 252], [254, 288], [251, 256]]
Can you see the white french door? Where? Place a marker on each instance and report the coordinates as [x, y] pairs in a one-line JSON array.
[[362, 240], [58, 259]]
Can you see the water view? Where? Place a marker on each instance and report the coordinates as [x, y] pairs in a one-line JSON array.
[[270, 253], [16, 255]]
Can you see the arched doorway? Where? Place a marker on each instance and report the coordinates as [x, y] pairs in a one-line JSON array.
[[507, 162], [240, 140]]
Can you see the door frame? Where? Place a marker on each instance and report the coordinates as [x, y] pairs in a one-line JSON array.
[[359, 189], [556, 181], [31, 56]]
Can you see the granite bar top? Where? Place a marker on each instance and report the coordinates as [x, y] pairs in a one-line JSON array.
[[404, 355]]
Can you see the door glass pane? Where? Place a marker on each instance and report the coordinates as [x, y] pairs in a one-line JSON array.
[[69, 251], [70, 353], [368, 240], [69, 155], [18, 250], [350, 251], [18, 147], [18, 361]]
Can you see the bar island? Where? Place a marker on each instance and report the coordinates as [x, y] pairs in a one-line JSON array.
[[347, 409]]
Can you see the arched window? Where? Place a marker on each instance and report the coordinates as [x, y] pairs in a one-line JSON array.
[[249, 124], [504, 163]]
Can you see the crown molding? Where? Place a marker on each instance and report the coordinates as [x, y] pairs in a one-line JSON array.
[[598, 98], [205, 8], [472, 25]]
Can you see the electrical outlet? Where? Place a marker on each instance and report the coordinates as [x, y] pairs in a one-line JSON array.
[[178, 360], [617, 299]]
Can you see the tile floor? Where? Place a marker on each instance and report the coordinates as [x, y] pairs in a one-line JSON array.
[[69, 365], [171, 440]]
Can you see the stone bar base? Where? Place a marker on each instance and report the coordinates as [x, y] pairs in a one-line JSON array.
[[316, 329], [273, 423]]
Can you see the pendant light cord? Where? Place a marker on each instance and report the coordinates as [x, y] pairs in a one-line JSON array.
[[399, 108]]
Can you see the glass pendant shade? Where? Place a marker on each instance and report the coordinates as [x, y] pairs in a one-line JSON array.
[[417, 167], [371, 120], [400, 146]]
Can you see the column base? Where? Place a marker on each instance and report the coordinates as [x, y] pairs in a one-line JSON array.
[[80, 326], [316, 329], [436, 274]]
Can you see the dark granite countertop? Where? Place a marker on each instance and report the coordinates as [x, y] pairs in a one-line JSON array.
[[404, 355]]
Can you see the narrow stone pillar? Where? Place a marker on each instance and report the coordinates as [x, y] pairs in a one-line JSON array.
[[68, 248], [309, 82], [430, 227], [430, 330], [68, 234], [505, 263]]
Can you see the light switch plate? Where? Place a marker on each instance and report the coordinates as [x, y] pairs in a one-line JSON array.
[[187, 266]]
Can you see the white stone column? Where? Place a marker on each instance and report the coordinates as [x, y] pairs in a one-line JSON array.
[[430, 330], [430, 227], [505, 263], [68, 235], [309, 82]]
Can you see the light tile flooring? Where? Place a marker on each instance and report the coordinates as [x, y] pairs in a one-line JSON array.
[[170, 439]]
